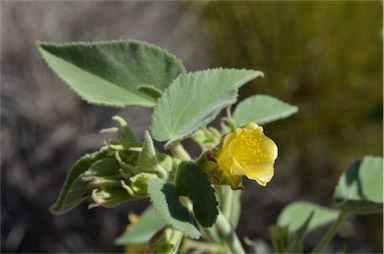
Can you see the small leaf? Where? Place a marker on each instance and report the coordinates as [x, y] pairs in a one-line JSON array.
[[110, 73], [295, 215], [139, 182], [128, 135], [360, 188], [142, 231], [150, 160], [150, 91], [74, 187], [283, 241], [166, 240], [104, 178], [195, 99], [262, 109], [166, 201], [192, 183]]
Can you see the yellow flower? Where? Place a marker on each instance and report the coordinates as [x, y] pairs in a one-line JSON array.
[[247, 151]]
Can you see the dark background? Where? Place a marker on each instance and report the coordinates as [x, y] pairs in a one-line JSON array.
[[325, 57]]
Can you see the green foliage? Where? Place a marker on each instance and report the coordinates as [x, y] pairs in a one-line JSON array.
[[283, 241], [142, 231], [123, 73], [360, 188], [127, 137], [166, 240], [192, 183], [116, 73], [103, 179], [150, 160], [75, 188], [307, 52], [166, 201], [295, 222], [195, 99], [262, 109], [294, 216], [359, 191]]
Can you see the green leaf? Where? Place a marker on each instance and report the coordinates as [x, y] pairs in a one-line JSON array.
[[139, 182], [107, 168], [150, 160], [105, 178], [150, 91], [192, 183], [360, 188], [295, 215], [142, 231], [166, 201], [74, 187], [295, 222], [195, 99], [262, 109], [283, 241], [127, 133], [167, 240], [110, 73]]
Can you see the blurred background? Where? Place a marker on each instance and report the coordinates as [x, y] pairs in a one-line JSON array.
[[325, 57]]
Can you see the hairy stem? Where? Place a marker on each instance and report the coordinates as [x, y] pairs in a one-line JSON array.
[[228, 235], [179, 152]]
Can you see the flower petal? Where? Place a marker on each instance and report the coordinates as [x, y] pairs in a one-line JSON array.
[[261, 173]]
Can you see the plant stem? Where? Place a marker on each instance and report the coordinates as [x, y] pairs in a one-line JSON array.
[[331, 232], [227, 194], [228, 235], [179, 152], [201, 246]]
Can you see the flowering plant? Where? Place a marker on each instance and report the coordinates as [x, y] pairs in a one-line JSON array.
[[191, 198]]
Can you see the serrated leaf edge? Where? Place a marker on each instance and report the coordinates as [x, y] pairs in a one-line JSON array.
[[40, 44], [235, 86]]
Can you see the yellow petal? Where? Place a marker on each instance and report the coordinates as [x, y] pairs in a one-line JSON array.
[[261, 173]]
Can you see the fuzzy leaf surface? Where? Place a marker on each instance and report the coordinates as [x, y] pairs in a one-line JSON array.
[[74, 187], [294, 216], [110, 73], [360, 187], [142, 231], [195, 99], [262, 109], [150, 160], [192, 183], [165, 199]]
